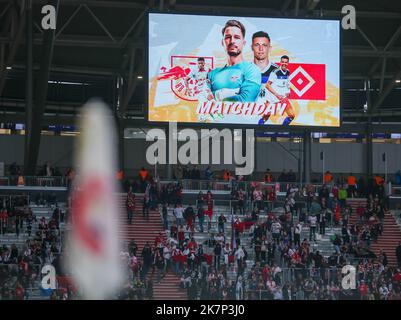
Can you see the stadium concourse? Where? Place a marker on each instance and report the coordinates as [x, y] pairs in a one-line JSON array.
[[195, 239]]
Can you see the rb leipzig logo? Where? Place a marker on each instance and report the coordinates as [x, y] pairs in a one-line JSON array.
[[188, 80]]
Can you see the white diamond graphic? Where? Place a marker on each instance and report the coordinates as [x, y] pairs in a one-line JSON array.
[[299, 81], [300, 93]]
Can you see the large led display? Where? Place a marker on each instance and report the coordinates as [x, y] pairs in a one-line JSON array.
[[243, 70]]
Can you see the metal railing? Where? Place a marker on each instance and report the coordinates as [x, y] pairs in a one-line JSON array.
[[396, 191], [35, 181], [192, 184], [14, 200]]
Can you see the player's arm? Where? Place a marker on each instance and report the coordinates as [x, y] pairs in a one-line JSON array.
[[250, 88], [186, 81], [269, 87], [210, 95]]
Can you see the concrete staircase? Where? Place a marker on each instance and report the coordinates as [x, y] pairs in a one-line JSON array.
[[143, 230], [39, 211], [201, 238], [323, 245], [391, 236]]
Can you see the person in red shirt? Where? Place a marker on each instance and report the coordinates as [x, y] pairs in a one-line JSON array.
[[143, 177], [209, 199], [19, 292], [351, 181], [360, 212], [176, 257], [158, 239], [363, 290], [3, 221], [397, 277], [192, 246], [271, 199], [266, 273], [209, 212], [268, 176], [173, 231], [379, 180], [181, 235], [226, 175]]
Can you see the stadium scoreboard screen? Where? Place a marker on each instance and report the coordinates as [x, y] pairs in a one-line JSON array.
[[243, 70]]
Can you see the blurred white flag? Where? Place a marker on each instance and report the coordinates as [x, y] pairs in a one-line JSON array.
[[93, 257]]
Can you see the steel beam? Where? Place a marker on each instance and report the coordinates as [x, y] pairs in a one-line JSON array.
[[5, 9], [393, 38], [369, 151], [296, 8], [227, 9], [41, 97], [29, 78], [82, 41], [68, 21], [285, 5], [382, 75], [65, 119], [311, 4], [13, 51], [100, 23], [386, 91], [95, 3], [122, 41], [352, 51], [307, 148], [366, 38]]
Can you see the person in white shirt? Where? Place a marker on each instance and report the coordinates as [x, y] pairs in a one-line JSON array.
[[271, 285], [258, 198], [179, 215], [276, 269], [276, 228], [278, 294], [297, 234], [226, 253], [384, 292], [196, 81], [239, 255], [220, 238], [167, 257], [312, 227], [239, 289]]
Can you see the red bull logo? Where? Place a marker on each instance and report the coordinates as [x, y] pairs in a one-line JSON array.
[[188, 82]]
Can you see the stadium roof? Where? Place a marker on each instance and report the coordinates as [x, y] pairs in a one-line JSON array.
[[98, 44]]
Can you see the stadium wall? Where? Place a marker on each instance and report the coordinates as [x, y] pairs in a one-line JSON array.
[[339, 157]]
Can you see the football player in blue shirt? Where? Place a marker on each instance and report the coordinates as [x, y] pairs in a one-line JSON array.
[[238, 80], [278, 86]]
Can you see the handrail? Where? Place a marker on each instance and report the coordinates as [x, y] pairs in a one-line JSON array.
[[10, 198], [188, 184], [41, 181]]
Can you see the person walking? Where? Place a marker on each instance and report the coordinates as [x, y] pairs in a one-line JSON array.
[[130, 205], [221, 221], [322, 222], [312, 227], [217, 254], [297, 234], [398, 254], [165, 216], [201, 217], [179, 214], [146, 205]]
